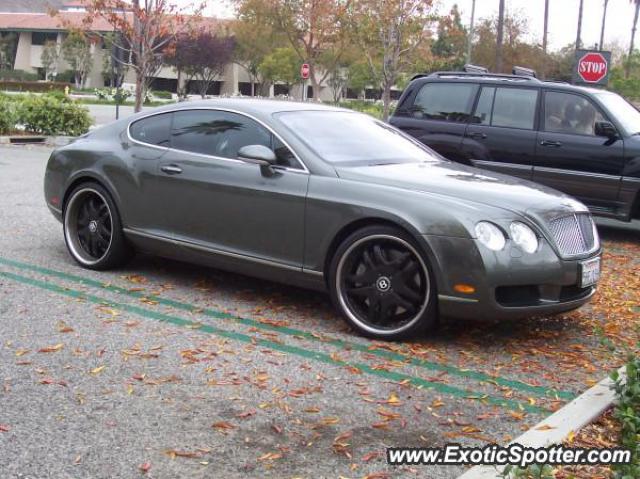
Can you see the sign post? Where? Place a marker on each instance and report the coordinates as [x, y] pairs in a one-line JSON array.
[[304, 73], [591, 67]]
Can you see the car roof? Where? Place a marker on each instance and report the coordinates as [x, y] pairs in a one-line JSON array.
[[260, 106], [449, 77]]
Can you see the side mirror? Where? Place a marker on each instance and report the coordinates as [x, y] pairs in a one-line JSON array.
[[258, 155], [606, 129]]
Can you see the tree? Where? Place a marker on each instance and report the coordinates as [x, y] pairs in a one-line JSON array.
[[8, 46], [604, 21], [144, 29], [450, 45], [255, 36], [76, 50], [210, 55], [282, 65], [360, 76], [387, 32], [49, 58], [627, 69], [500, 37]]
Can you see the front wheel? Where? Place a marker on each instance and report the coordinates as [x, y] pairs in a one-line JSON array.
[[381, 283], [92, 228]]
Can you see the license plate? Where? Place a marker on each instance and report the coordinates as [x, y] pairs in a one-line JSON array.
[[589, 272]]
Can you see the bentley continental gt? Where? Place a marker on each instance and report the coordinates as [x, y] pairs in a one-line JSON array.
[[324, 198]]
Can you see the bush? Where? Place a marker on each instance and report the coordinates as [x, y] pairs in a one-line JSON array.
[[32, 86], [49, 115], [7, 115], [18, 75], [164, 95], [627, 411]]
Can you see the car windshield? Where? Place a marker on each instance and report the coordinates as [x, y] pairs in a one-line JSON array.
[[623, 111], [349, 138]]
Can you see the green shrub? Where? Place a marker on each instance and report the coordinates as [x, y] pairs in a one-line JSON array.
[[627, 411], [18, 75], [7, 115], [164, 95], [32, 86], [49, 115]]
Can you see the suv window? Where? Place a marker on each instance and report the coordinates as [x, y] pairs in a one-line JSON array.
[[514, 108], [445, 101], [485, 106], [569, 113], [153, 129]]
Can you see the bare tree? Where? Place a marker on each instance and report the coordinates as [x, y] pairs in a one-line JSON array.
[[579, 33]]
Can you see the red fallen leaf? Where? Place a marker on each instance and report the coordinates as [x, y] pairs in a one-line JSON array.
[[377, 475], [51, 349], [145, 467], [222, 425], [246, 414], [5, 428], [277, 429], [48, 381], [371, 455]]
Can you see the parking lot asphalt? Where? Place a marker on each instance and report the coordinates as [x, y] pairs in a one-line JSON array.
[[164, 369]]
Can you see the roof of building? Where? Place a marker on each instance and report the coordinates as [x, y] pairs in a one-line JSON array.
[[63, 20], [30, 6]]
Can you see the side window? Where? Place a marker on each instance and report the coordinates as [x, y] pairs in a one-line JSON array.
[[445, 101], [153, 129], [485, 106], [515, 108], [568, 113], [216, 133]]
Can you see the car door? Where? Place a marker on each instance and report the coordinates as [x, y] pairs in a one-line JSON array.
[[437, 115], [571, 157], [211, 199], [501, 135]]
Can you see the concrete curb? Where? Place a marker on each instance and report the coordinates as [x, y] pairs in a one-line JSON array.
[[33, 140], [554, 429]]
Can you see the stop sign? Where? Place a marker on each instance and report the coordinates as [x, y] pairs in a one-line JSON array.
[[304, 71], [592, 67]]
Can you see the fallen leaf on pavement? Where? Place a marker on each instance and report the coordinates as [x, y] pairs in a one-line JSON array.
[[51, 349]]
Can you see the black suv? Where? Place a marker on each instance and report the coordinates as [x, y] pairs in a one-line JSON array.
[[582, 141]]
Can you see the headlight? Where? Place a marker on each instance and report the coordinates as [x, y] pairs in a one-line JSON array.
[[524, 237], [490, 235]]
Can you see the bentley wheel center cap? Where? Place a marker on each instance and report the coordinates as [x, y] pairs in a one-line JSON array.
[[383, 284]]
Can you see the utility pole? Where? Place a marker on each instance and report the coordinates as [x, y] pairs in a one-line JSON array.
[[579, 34], [500, 37], [470, 35], [604, 19], [545, 36]]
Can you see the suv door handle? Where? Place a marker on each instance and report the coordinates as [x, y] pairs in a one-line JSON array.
[[555, 144], [171, 169], [476, 135]]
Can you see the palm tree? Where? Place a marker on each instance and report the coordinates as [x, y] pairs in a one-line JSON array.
[[627, 69], [579, 35], [604, 20], [500, 36]]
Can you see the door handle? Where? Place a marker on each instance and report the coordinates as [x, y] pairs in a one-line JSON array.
[[171, 169], [555, 144], [477, 135]]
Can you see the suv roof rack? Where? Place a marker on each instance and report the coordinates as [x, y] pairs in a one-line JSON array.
[[497, 76]]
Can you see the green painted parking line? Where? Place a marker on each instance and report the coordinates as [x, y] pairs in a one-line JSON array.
[[277, 346], [390, 355]]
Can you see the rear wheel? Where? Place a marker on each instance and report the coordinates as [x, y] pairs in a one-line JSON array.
[[381, 283], [92, 228]]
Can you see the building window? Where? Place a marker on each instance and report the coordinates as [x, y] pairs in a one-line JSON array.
[[280, 89], [40, 38], [245, 88]]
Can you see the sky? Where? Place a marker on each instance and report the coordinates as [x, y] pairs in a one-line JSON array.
[[563, 17]]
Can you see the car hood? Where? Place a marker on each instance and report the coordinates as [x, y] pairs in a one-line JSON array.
[[462, 182]]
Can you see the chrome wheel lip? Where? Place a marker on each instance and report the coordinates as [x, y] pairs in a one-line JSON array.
[[71, 230], [353, 317]]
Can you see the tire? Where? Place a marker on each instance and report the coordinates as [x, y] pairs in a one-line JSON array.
[[381, 282], [93, 229]]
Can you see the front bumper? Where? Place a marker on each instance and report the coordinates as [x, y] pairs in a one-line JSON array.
[[509, 284]]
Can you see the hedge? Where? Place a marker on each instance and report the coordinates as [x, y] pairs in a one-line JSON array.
[[33, 86]]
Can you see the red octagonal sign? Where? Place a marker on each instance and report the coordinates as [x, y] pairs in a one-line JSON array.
[[593, 67]]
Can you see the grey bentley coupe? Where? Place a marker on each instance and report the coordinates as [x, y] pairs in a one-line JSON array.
[[323, 198]]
